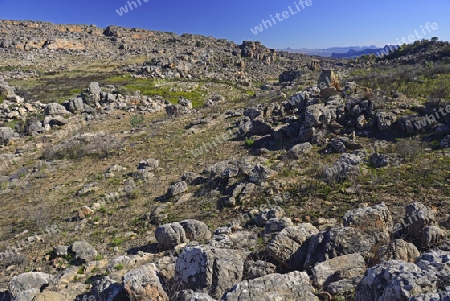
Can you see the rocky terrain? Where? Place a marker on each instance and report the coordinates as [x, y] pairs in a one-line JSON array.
[[143, 165]]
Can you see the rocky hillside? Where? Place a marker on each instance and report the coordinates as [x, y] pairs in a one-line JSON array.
[[142, 165]]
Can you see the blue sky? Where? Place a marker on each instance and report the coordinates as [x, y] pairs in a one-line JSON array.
[[325, 23]]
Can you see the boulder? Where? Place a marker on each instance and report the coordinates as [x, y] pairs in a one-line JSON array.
[[26, 286], [208, 269], [395, 281], [170, 235], [75, 105], [398, 250], [293, 286], [149, 164], [7, 135], [53, 109], [375, 221], [277, 224], [261, 173], [343, 267], [83, 251], [177, 188], [106, 289], [190, 295], [290, 246], [431, 236], [260, 128], [439, 263], [385, 120], [267, 214], [298, 150], [441, 296], [417, 218], [328, 79], [256, 269], [144, 282], [313, 115], [345, 167], [336, 242], [196, 230], [379, 160]]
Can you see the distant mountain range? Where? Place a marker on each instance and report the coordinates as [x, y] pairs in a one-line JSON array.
[[342, 52]]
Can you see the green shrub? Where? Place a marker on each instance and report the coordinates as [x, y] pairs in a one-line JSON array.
[[136, 120], [249, 142], [119, 267]]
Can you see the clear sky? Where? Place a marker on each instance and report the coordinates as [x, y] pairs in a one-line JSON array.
[[324, 23]]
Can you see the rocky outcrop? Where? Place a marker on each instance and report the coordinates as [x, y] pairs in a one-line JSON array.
[[395, 280], [290, 246], [336, 242], [208, 269], [144, 282], [170, 235], [290, 287], [26, 286]]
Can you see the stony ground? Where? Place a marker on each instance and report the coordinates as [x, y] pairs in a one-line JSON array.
[[99, 154]]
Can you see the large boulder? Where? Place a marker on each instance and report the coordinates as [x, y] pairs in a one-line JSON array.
[[385, 120], [177, 188], [343, 267], [267, 214], [259, 268], [328, 79], [399, 250], [26, 286], [149, 164], [196, 230], [190, 295], [53, 109], [75, 105], [395, 281], [143, 284], [375, 221], [83, 251], [106, 289], [277, 224], [7, 135], [345, 167], [336, 242], [299, 150], [439, 263], [293, 286], [290, 246], [208, 269], [441, 296], [313, 115], [417, 218], [431, 236], [170, 235]]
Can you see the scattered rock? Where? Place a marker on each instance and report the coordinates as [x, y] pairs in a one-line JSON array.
[[290, 246], [395, 281], [143, 283], [293, 286], [83, 251], [170, 235]]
